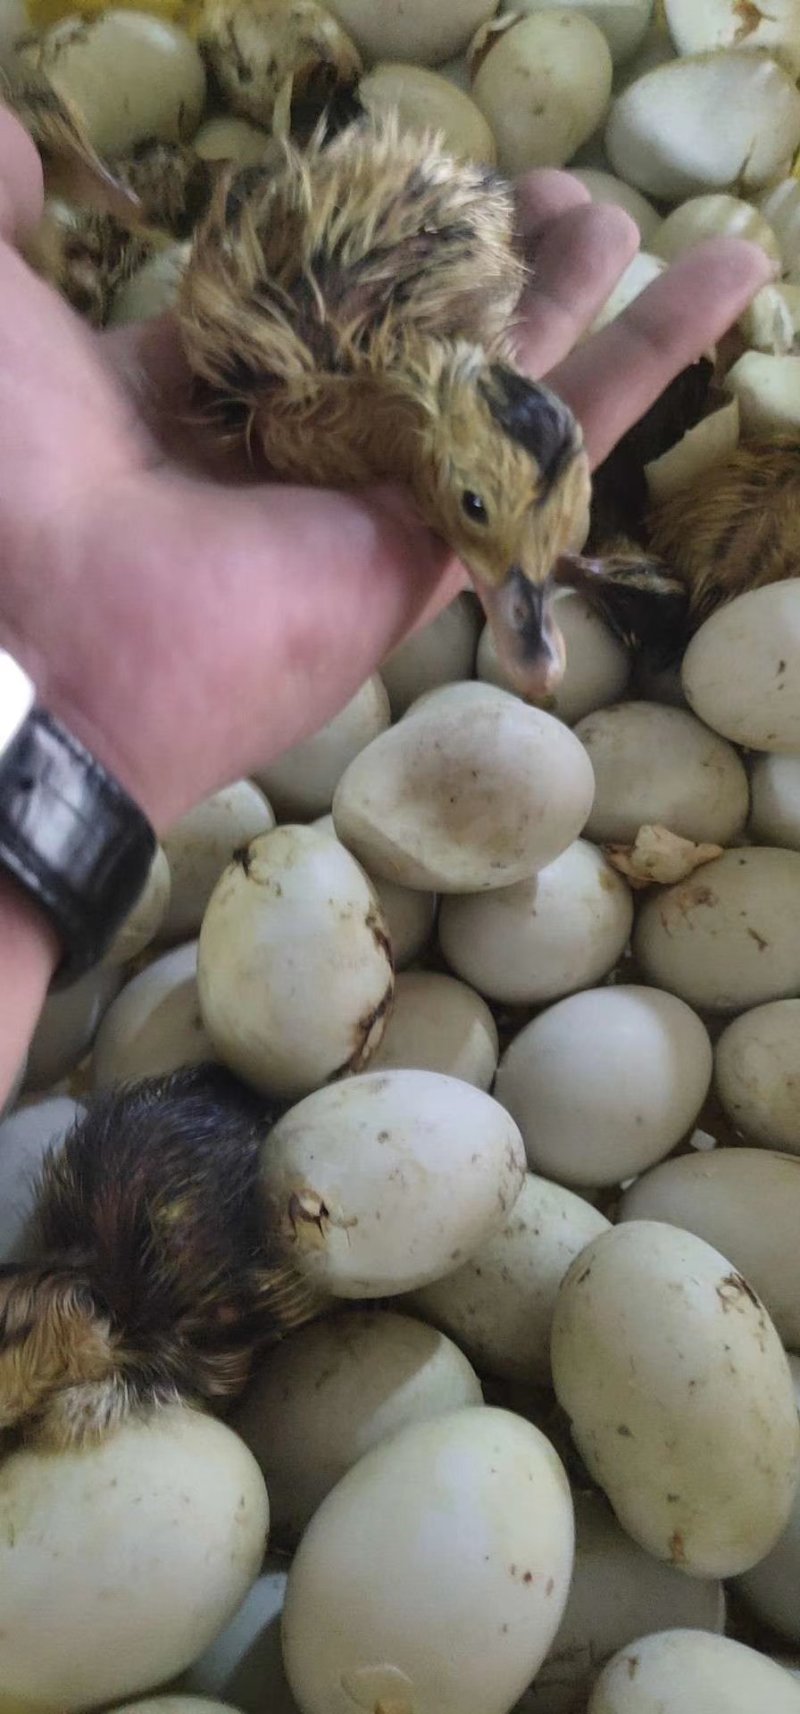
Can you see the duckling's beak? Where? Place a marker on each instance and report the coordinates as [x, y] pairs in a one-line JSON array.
[[530, 647]]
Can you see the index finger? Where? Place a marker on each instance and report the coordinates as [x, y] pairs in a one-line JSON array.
[[615, 377], [21, 184]]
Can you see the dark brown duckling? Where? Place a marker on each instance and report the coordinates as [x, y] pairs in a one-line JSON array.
[[154, 1281]]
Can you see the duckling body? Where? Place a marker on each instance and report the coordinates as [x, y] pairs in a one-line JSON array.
[[154, 1280], [350, 316]]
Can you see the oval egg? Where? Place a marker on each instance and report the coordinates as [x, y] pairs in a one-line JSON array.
[[202, 844], [154, 1025], [439, 1024], [131, 76], [302, 781], [757, 1074], [597, 668], [660, 765], [741, 671], [678, 1671]]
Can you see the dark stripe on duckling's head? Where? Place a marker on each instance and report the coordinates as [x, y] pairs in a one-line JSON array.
[[533, 417]]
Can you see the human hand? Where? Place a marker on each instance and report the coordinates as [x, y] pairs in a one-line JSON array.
[[189, 623]]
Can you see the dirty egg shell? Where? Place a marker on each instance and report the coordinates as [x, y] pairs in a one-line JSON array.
[[757, 1075], [120, 1562], [684, 1672], [411, 29], [729, 937], [680, 1397], [617, 1593], [563, 929], [471, 790], [661, 765], [388, 1180], [439, 1024], [301, 783], [154, 1025], [294, 968], [331, 1392], [726, 24], [499, 1306], [409, 913], [543, 82], [435, 1574], [598, 664], [741, 671], [202, 844], [746, 1202], [606, 1082], [424, 102], [131, 76]]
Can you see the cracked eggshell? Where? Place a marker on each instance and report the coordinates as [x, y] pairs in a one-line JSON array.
[[154, 1025], [706, 122], [563, 929], [201, 845], [142, 924], [661, 765], [120, 1562], [605, 1083], [543, 82], [746, 1202], [741, 671], [472, 790], [443, 652], [411, 29], [25, 1138], [326, 1395], [677, 1671], [439, 1024], [728, 937], [639, 274], [598, 664], [732, 24], [618, 1593], [499, 1306], [294, 968], [680, 1397], [757, 1076], [410, 915], [435, 1574], [132, 77], [388, 1180], [424, 101], [301, 783]]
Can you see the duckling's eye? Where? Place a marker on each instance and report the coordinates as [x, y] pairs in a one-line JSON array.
[[473, 506]]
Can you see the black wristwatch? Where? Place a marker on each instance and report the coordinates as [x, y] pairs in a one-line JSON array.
[[69, 834]]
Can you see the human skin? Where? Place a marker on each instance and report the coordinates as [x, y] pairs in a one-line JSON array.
[[187, 620]]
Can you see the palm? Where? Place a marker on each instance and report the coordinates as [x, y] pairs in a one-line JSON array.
[[189, 621]]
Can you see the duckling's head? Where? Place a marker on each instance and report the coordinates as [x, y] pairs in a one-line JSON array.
[[505, 479]]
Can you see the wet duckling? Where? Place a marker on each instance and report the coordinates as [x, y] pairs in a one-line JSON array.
[[348, 316], [153, 1280], [72, 167]]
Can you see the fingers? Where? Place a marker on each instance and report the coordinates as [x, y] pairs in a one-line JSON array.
[[576, 263], [614, 378], [544, 195], [21, 188]]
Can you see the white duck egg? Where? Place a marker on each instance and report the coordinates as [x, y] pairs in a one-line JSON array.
[[606, 1082], [624, 23], [132, 77], [767, 389], [728, 937], [154, 1026], [143, 923], [153, 289], [226, 138], [25, 1138], [664, 133], [679, 1395], [409, 914], [68, 1023], [713, 216], [746, 1202], [120, 1562], [434, 1576], [388, 1180], [722, 24], [202, 844], [604, 187], [499, 1306], [411, 29], [775, 801], [425, 101], [301, 783], [331, 1392], [563, 929], [245, 1663], [676, 1671], [741, 671], [598, 665], [442, 652], [640, 273], [618, 1593], [543, 82], [757, 1074], [294, 967], [439, 1024], [657, 764], [780, 205], [471, 790]]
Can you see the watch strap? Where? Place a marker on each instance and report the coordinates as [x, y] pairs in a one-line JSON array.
[[72, 837]]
